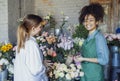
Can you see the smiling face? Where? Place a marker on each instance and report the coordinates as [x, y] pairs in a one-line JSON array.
[[90, 23]]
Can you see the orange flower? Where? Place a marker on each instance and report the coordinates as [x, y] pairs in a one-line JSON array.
[[54, 54], [51, 39]]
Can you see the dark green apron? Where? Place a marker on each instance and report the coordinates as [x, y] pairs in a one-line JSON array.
[[92, 71]]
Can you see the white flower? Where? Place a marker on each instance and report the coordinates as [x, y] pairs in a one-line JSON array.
[[4, 61], [81, 73], [62, 67], [118, 36], [11, 68], [79, 66], [68, 76], [72, 74], [0, 54], [56, 73], [72, 65], [76, 74], [61, 74], [38, 38], [13, 60], [78, 41], [73, 69], [47, 17], [78, 70], [66, 18]]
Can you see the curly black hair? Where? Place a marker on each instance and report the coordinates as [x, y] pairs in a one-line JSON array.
[[94, 9]]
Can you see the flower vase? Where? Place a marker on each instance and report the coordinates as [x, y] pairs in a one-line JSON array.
[[115, 63], [3, 75], [114, 50], [57, 32]]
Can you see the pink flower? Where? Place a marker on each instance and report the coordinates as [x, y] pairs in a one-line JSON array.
[[118, 36], [44, 34], [54, 54], [14, 48], [111, 37]]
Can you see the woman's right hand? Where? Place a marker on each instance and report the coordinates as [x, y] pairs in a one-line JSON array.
[[78, 58], [48, 63]]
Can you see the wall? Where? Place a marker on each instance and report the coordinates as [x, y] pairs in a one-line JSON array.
[[13, 15], [11, 10], [70, 8], [3, 20]]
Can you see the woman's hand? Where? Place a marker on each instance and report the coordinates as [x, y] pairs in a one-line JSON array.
[[81, 59], [48, 63], [69, 59], [78, 58]]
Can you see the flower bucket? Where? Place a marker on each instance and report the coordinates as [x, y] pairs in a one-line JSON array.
[[114, 49], [118, 75], [3, 75], [115, 56]]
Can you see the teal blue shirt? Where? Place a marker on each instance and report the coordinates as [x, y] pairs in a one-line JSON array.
[[101, 47]]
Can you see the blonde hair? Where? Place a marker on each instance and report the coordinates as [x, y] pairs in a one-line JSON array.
[[23, 31]]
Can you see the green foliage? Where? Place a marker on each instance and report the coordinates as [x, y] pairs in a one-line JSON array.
[[52, 22], [80, 32]]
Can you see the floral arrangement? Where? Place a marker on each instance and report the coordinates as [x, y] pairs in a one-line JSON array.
[[7, 54], [63, 72], [46, 43], [61, 49], [113, 39]]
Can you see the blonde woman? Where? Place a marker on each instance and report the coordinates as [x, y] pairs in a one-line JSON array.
[[28, 64]]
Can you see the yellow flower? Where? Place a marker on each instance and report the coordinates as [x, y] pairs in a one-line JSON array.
[[80, 43], [3, 48], [6, 47], [9, 46]]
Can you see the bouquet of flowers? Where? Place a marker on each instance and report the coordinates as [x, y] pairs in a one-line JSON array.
[[61, 51], [69, 46], [46, 43], [6, 55], [63, 72]]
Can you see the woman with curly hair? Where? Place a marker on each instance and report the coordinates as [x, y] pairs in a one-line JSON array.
[[95, 52]]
